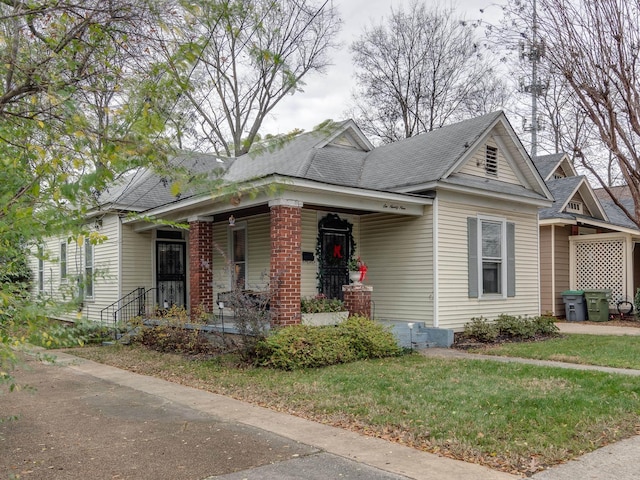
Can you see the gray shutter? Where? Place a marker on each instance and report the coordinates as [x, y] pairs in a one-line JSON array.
[[511, 259], [472, 255]]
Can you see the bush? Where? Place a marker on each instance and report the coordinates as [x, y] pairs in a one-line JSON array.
[[481, 330], [509, 328], [174, 332], [546, 325], [302, 346], [321, 304]]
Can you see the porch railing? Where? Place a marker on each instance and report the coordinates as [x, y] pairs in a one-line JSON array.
[[134, 304]]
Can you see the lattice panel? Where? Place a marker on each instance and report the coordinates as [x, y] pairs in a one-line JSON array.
[[601, 265]]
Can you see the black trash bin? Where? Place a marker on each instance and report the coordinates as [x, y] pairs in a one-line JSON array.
[[575, 308]]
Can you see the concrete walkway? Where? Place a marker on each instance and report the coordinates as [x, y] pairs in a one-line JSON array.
[[92, 421], [88, 420]]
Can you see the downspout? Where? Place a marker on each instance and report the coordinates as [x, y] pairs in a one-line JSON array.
[[119, 227], [553, 269], [436, 320], [628, 284]]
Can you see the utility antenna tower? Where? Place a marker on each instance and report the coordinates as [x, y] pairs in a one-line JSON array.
[[533, 51]]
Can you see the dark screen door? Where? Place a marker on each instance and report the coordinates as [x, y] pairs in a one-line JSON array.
[[171, 274]]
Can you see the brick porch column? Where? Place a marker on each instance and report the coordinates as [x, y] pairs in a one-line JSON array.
[[357, 299], [286, 261], [200, 265]]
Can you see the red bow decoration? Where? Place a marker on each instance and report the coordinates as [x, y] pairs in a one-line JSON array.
[[363, 272], [337, 251]]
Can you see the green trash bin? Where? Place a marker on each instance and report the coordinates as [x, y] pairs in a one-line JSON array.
[[597, 304]]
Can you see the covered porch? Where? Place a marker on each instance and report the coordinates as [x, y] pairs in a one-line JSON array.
[[278, 236]]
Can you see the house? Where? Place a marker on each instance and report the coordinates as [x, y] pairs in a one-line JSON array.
[[586, 241], [447, 223]]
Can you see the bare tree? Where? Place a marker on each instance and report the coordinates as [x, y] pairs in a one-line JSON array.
[[419, 70], [595, 46], [235, 60]]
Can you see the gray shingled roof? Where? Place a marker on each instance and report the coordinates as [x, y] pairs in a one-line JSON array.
[[144, 189], [561, 189], [417, 160], [423, 158], [546, 164], [615, 213]]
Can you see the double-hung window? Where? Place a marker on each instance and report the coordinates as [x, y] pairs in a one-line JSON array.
[[491, 256], [40, 269], [239, 256], [63, 261], [88, 269]]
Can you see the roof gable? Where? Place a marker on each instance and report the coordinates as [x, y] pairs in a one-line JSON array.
[[440, 157], [573, 190], [557, 165]]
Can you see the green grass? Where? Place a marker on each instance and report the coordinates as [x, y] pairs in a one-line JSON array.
[[608, 351], [513, 417]]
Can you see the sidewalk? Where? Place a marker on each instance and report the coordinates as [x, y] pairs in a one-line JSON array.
[[88, 420]]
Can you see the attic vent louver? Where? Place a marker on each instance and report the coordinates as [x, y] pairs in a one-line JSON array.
[[491, 161]]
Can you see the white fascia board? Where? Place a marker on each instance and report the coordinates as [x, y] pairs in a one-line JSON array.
[[617, 228], [306, 191], [558, 222], [496, 195]]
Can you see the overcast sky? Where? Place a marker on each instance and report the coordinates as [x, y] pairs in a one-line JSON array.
[[327, 96]]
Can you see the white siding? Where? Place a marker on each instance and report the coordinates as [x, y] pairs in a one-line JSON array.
[[475, 165], [455, 306], [309, 282], [398, 251], [105, 267], [259, 251], [137, 257]]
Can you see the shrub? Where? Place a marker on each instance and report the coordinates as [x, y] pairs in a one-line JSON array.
[[513, 327], [321, 304], [480, 329], [546, 325], [509, 328], [302, 346], [174, 332]]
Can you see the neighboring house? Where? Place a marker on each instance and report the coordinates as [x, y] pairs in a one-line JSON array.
[[585, 242], [447, 223]]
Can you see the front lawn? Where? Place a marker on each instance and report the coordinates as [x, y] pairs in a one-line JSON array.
[[608, 351], [512, 417]]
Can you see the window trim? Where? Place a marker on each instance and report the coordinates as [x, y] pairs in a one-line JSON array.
[[475, 258], [89, 271], [40, 269], [64, 274], [238, 226], [502, 259]]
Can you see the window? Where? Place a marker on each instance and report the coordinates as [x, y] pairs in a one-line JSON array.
[[88, 269], [239, 256], [40, 269], [491, 256], [63, 261], [491, 161]]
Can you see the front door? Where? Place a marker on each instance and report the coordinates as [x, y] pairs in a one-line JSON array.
[[336, 244], [171, 274]]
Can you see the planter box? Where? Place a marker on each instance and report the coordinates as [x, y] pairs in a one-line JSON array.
[[325, 318]]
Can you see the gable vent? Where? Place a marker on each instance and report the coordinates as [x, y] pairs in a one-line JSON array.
[[575, 207], [491, 161]]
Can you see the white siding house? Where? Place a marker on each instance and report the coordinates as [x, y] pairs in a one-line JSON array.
[[447, 223]]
